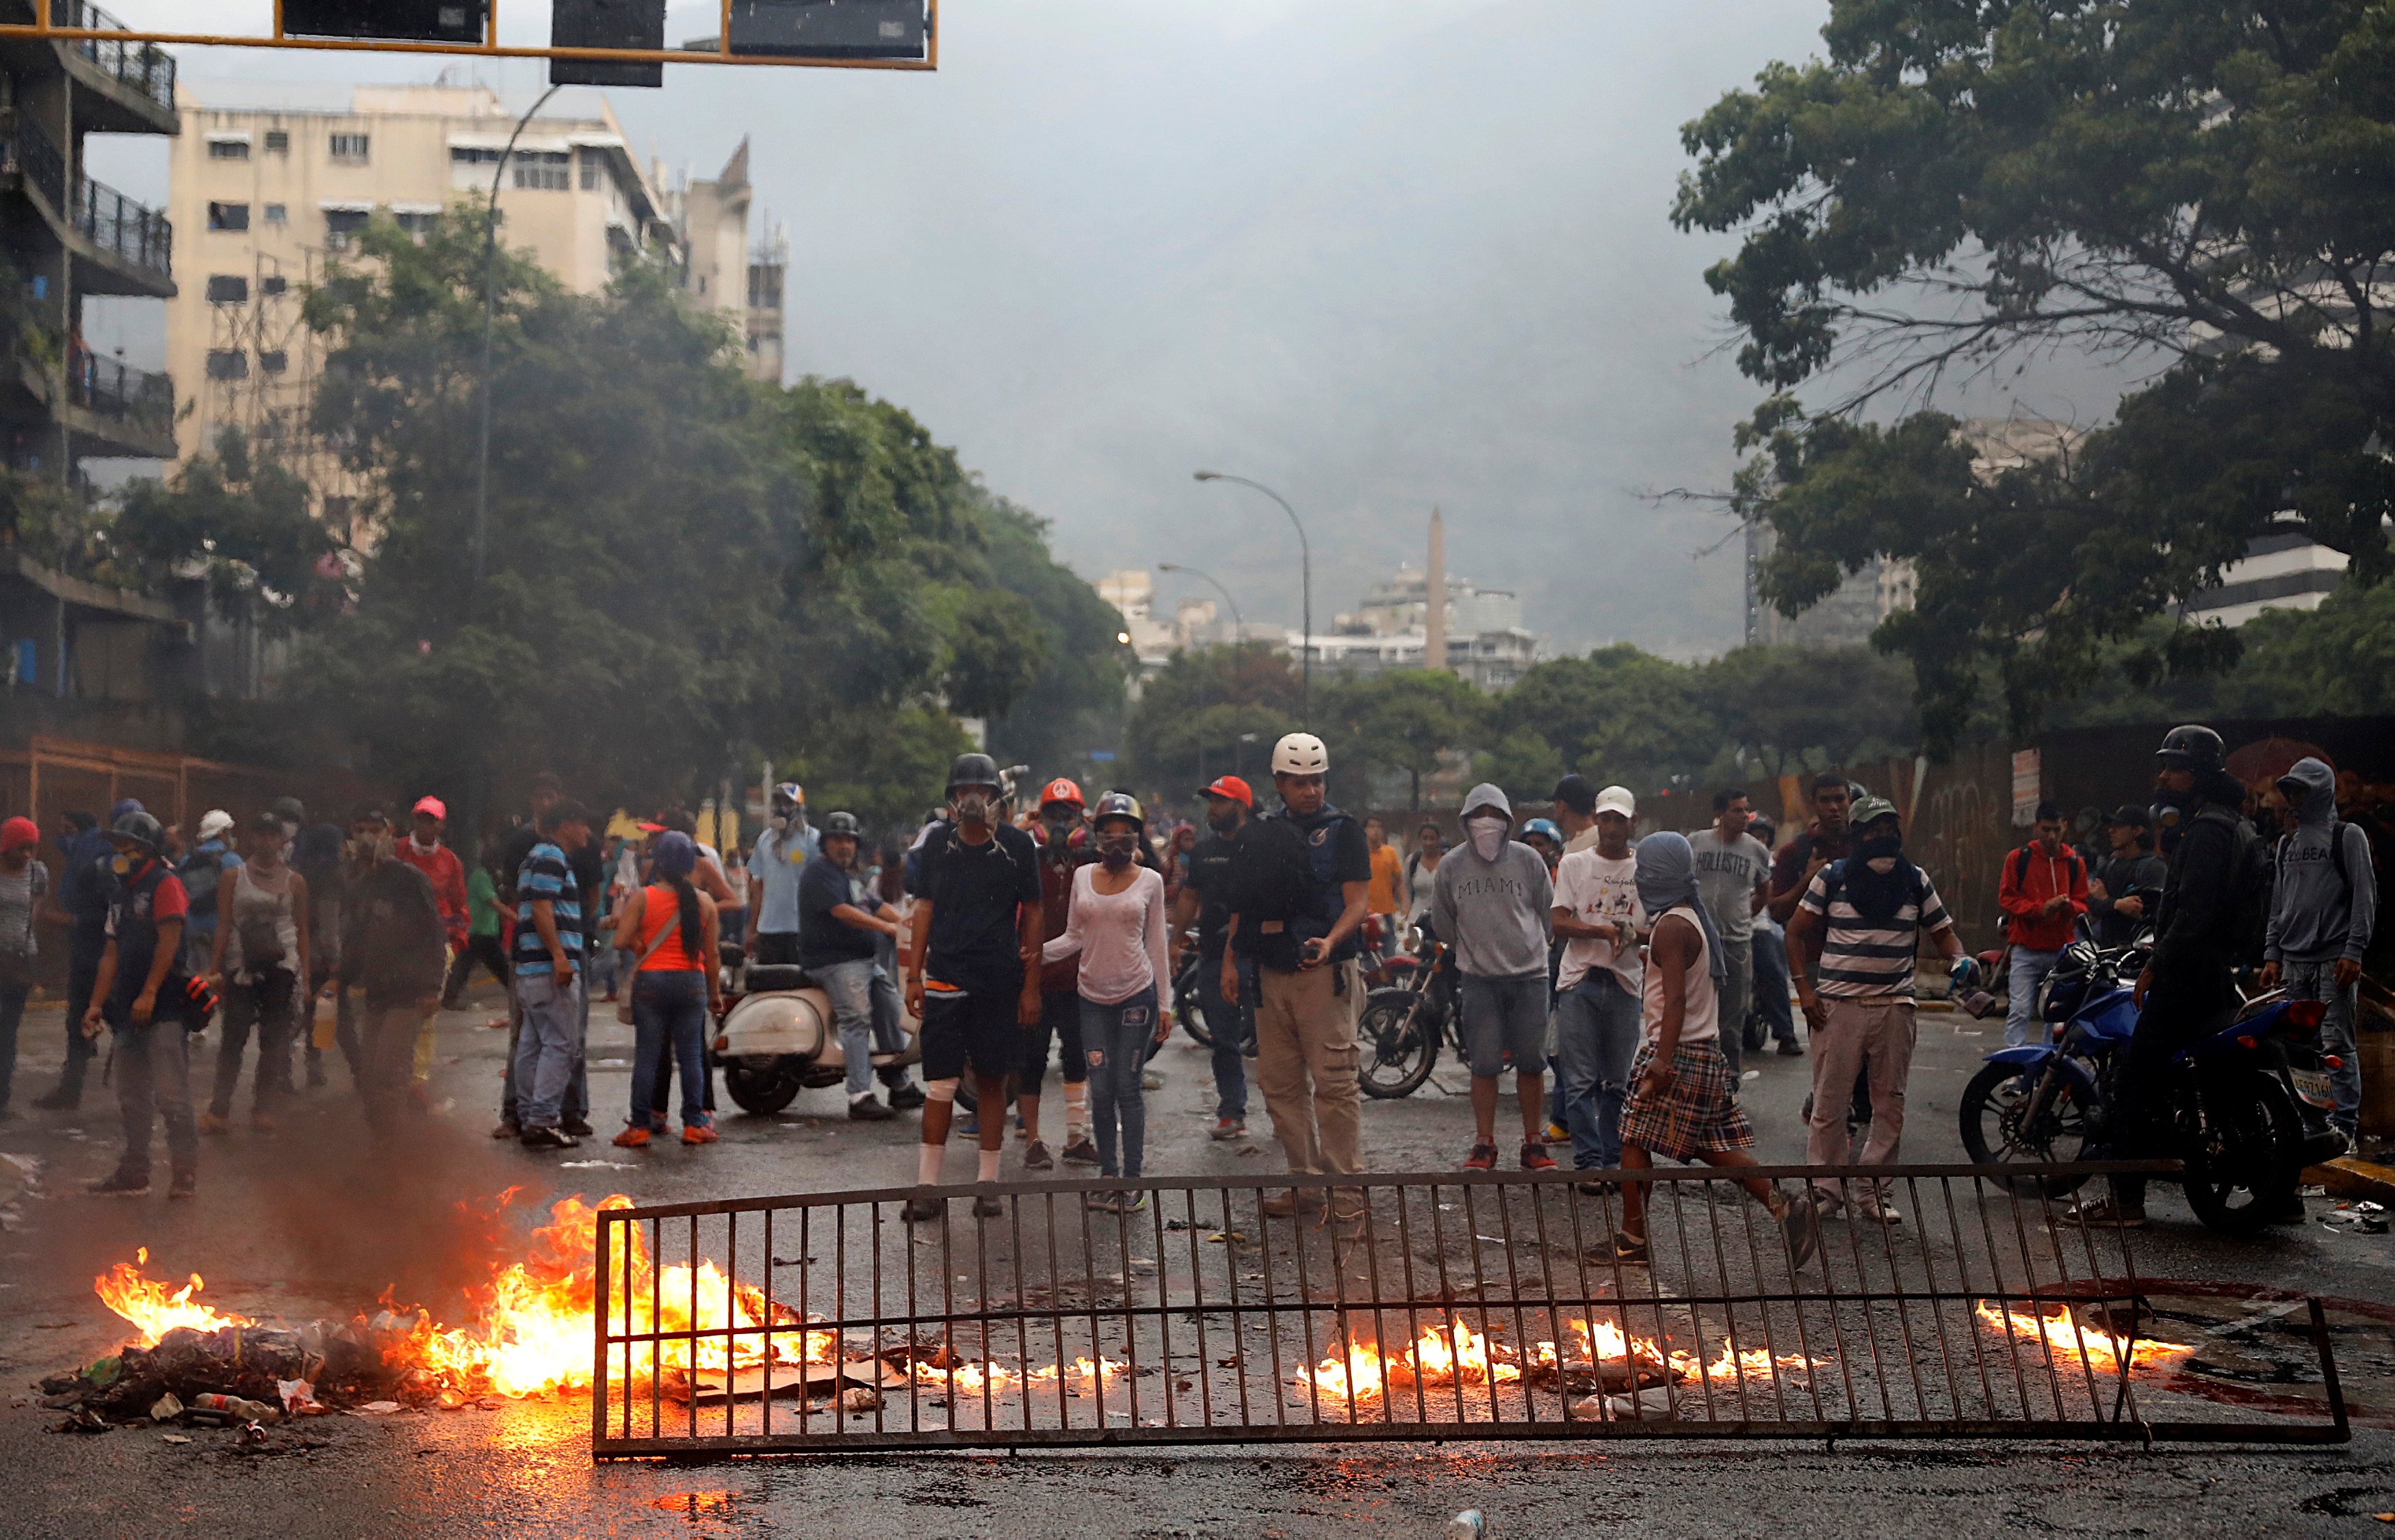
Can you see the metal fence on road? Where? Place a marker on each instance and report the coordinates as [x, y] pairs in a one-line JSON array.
[[1478, 1306]]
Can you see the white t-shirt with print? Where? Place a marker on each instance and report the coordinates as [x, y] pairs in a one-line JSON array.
[[1599, 890]]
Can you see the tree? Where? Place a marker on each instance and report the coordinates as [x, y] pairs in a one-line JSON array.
[[1525, 765], [243, 519], [1789, 711], [1952, 190], [1074, 701], [1403, 720], [1617, 714], [1210, 711]]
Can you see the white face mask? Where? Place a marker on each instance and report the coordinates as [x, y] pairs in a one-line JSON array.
[[1882, 865], [1487, 835]]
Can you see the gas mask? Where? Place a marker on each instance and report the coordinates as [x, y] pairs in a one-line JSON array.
[[120, 864], [1060, 820], [1879, 851], [1116, 850], [2171, 808], [1487, 835], [975, 806]]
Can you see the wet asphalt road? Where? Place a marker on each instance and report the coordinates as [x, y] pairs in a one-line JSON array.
[[306, 1222]]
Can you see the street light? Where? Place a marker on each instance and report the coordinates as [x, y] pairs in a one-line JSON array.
[[1238, 626], [490, 307], [1306, 571]]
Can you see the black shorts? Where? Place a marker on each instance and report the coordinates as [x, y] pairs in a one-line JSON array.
[[976, 1024], [1060, 1019]]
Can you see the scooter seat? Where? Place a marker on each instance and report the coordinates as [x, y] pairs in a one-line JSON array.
[[764, 978]]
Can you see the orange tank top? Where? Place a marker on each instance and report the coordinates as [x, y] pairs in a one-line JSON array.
[[661, 910]]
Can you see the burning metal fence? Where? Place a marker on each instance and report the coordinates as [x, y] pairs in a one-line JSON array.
[[1481, 1306]]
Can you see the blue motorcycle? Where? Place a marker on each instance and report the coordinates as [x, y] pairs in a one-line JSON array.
[[2247, 1103]]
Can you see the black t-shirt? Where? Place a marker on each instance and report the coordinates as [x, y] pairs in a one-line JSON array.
[[825, 938], [1207, 873], [974, 891]]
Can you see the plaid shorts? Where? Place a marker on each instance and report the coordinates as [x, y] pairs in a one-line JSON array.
[[1695, 1116]]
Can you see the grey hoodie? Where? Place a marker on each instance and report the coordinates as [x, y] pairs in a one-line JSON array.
[[1495, 914], [2317, 917]]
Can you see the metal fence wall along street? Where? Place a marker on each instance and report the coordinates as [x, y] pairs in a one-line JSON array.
[[1478, 1306]]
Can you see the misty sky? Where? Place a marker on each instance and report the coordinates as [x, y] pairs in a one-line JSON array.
[[1379, 257]]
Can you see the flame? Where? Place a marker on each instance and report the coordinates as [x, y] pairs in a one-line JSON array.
[[2074, 1341], [154, 1309], [1454, 1354]]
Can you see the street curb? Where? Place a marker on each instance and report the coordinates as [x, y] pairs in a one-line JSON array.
[[2350, 1177]]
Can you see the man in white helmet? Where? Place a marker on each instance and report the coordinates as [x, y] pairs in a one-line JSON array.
[[1299, 884]]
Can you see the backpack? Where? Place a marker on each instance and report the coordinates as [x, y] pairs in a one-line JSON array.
[[2247, 923], [199, 872], [1272, 881]]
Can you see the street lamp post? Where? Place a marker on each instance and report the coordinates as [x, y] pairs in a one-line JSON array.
[[490, 310], [1238, 627], [1306, 574]]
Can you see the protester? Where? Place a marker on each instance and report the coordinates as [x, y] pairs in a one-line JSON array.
[[669, 927], [1862, 916], [138, 994], [976, 930], [1422, 870], [2042, 890], [590, 875], [80, 903], [316, 856], [24, 885], [1540, 835], [731, 920], [423, 849], [1574, 806], [1680, 1104], [1064, 848], [483, 941], [547, 963], [257, 968], [2323, 911], [783, 847], [840, 927], [1734, 881], [2123, 884], [1116, 928], [1770, 955], [1299, 882], [394, 938], [199, 871], [1490, 901], [1601, 980], [1177, 846], [1826, 839], [1385, 898], [1205, 897]]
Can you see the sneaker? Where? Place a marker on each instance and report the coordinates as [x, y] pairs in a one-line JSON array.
[[185, 1185], [2107, 1211], [1080, 1152], [631, 1139], [1590, 1189], [548, 1138], [213, 1122], [1878, 1213], [1230, 1129], [577, 1126], [59, 1101], [922, 1210], [905, 1097], [1535, 1158], [507, 1127], [1150, 1081], [1790, 1048], [987, 1207], [1132, 1203], [1555, 1134], [1037, 1158], [1800, 1226], [1290, 1205], [119, 1184], [867, 1109], [968, 1123], [698, 1133], [1483, 1158], [1103, 1202]]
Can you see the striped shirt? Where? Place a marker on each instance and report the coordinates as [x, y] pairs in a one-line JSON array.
[[1862, 960], [547, 875]]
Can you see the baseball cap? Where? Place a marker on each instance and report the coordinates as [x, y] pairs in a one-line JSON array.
[[1870, 807], [19, 831], [215, 821], [2132, 815], [1617, 799], [432, 805], [1233, 787]]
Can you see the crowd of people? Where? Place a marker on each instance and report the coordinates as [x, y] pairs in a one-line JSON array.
[[1615, 980]]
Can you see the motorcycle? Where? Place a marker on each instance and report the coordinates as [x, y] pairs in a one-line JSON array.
[[1404, 1024], [1190, 1010], [2246, 1103], [776, 1038]]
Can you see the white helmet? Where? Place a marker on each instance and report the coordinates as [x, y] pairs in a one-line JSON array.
[[1300, 754]]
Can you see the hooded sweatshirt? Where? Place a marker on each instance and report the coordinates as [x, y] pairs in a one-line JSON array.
[[1494, 912], [2318, 915]]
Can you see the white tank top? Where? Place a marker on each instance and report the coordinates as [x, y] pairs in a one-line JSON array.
[[1701, 1013]]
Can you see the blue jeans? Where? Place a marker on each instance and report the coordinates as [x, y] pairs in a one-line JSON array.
[[850, 984], [1234, 1033], [2023, 1026], [546, 1047], [2318, 981], [669, 1016], [1771, 981], [1115, 1039], [1596, 1033]]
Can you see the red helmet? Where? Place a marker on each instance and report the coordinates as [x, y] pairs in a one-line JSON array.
[[1060, 790]]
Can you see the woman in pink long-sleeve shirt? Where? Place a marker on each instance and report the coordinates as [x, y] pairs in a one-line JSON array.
[[1116, 925]]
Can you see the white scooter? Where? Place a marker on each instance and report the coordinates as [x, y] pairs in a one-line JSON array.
[[777, 1038]]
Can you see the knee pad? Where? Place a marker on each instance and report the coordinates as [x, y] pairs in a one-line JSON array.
[[941, 1090]]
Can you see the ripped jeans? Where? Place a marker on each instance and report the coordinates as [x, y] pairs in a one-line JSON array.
[[1596, 1033], [1115, 1037]]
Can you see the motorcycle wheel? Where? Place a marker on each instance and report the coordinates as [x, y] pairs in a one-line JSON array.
[[1399, 1046], [1755, 1033], [2237, 1174], [1995, 1129], [760, 1092], [1187, 1009]]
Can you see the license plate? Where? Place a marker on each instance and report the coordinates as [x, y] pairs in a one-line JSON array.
[[2313, 1086]]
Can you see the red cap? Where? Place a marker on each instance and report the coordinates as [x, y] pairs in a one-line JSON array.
[[652, 828], [1234, 788], [19, 831], [432, 805], [1060, 790]]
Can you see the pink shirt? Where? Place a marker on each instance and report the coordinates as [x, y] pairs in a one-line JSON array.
[[1118, 936]]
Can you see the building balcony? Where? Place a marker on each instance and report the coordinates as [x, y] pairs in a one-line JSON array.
[[108, 410], [118, 247], [121, 87]]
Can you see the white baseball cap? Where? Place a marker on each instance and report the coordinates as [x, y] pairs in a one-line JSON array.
[[1617, 799], [215, 821]]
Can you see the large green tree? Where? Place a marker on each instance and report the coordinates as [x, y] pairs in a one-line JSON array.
[[2206, 189], [1207, 712], [1401, 721]]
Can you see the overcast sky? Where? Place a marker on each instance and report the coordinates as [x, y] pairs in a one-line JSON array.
[[1379, 256]]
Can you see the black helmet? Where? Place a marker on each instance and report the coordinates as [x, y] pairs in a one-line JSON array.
[[141, 828], [973, 770], [1117, 805], [2193, 747], [843, 823]]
